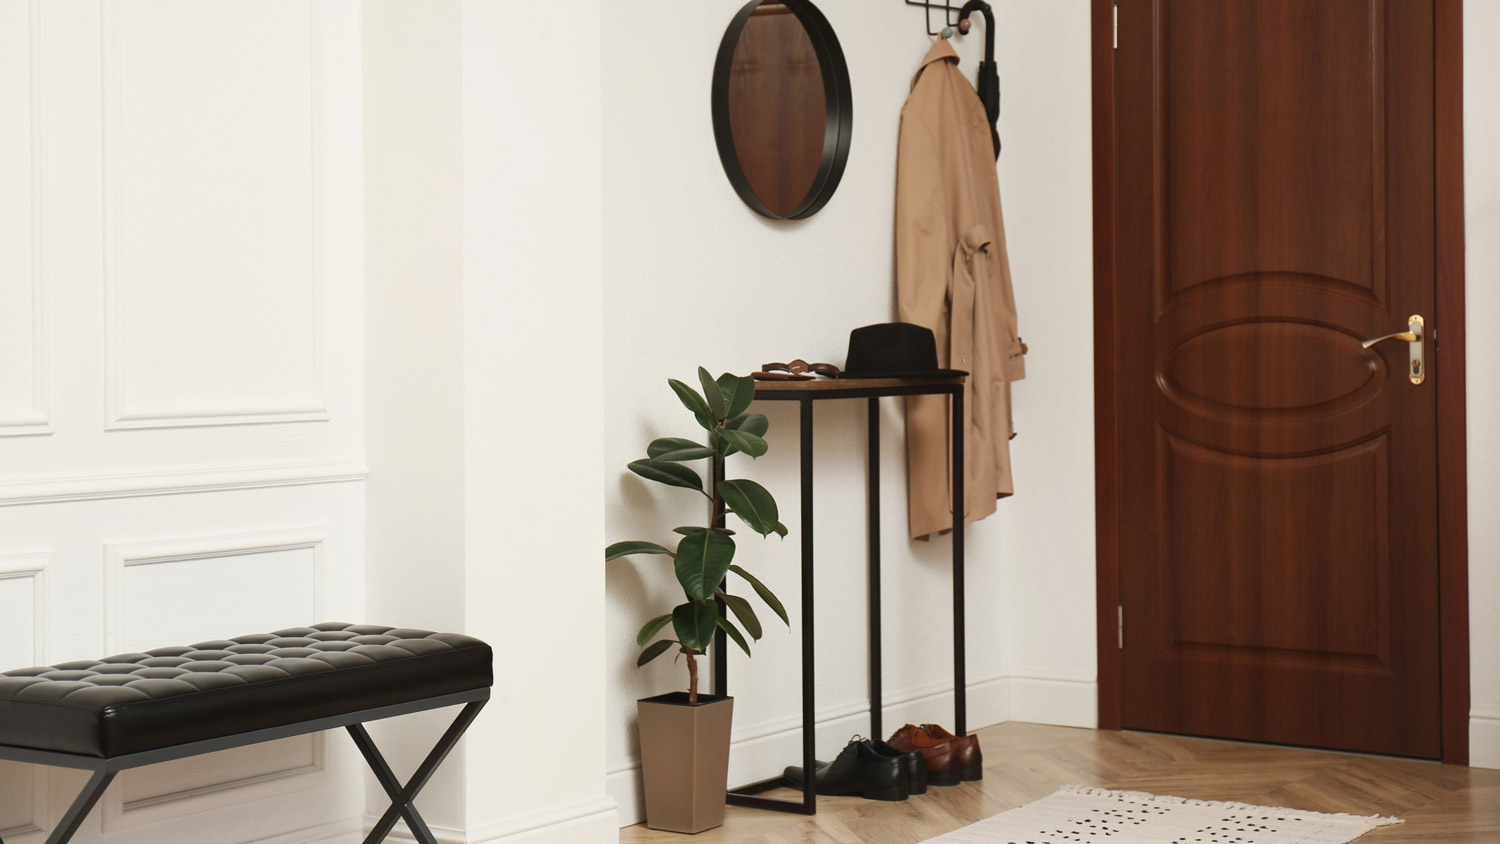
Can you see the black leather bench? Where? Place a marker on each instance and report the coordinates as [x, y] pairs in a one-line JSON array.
[[133, 710]]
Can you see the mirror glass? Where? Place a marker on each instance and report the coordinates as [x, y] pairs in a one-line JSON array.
[[781, 107]]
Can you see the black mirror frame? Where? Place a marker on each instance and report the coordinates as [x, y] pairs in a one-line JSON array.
[[836, 93]]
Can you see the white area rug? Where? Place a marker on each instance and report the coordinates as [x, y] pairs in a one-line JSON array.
[[1075, 814]]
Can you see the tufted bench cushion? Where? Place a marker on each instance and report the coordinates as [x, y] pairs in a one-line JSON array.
[[146, 701]]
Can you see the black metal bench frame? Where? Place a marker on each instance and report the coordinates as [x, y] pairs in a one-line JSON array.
[[402, 796]]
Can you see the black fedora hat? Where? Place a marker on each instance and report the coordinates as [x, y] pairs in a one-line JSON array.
[[894, 350]]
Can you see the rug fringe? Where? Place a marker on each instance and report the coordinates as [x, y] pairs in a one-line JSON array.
[[1372, 820]]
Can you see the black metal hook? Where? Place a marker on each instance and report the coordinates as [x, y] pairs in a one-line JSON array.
[[959, 20], [949, 19]]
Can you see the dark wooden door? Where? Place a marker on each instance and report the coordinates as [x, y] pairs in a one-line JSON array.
[[1278, 570]]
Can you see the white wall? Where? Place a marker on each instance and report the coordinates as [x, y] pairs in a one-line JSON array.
[[414, 354], [680, 249], [486, 396], [1482, 206], [694, 277], [181, 398], [533, 409]]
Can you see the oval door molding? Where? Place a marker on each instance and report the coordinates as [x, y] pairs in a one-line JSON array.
[[1192, 374]]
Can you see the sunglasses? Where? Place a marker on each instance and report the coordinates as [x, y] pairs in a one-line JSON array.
[[797, 370]]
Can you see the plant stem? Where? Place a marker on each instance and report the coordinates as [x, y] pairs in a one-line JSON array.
[[692, 662], [716, 506]]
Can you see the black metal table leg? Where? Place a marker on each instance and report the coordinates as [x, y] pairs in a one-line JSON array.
[[809, 709], [720, 683], [81, 807], [873, 514], [960, 682], [402, 797], [746, 795]]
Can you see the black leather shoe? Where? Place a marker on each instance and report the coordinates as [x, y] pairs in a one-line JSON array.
[[859, 769], [915, 764]]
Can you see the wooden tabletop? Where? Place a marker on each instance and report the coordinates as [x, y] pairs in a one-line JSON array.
[[834, 384]]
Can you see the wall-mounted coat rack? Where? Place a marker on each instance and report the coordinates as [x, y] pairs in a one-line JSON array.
[[959, 20]]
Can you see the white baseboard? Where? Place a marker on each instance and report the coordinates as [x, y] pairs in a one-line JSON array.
[[587, 822], [1484, 738], [339, 832], [1062, 700], [762, 752]]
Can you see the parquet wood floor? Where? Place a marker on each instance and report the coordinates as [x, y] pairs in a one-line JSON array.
[[1023, 762]]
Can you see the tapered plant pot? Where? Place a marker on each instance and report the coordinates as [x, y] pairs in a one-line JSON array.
[[685, 760]]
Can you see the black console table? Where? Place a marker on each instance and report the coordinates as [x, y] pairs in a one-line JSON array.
[[807, 393]]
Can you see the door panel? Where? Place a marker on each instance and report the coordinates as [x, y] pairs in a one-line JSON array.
[[1278, 518]]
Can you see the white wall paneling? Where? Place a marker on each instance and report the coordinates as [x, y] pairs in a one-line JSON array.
[[180, 253], [200, 588], [24, 610], [23, 294], [212, 207], [135, 573]]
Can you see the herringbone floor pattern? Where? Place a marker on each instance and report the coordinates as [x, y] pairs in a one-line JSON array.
[[1023, 762]]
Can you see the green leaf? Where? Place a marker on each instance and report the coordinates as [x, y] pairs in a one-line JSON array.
[[689, 530], [694, 402], [702, 560], [751, 444], [739, 638], [712, 392], [738, 393], [673, 449], [626, 549], [695, 622], [781, 530], [750, 423], [744, 612], [671, 474], [656, 650], [752, 503], [651, 628], [765, 594]]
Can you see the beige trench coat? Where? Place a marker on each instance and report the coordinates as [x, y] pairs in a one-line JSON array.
[[953, 276]]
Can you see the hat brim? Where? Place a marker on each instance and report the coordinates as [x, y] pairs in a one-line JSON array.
[[925, 373]]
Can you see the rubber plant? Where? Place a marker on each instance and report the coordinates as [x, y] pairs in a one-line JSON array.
[[704, 556]]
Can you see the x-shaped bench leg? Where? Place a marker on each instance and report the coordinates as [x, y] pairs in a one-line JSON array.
[[402, 798]]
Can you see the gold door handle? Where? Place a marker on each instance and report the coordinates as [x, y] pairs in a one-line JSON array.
[[1408, 336], [1414, 338]]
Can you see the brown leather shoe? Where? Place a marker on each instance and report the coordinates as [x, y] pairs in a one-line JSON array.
[[941, 756], [966, 748]]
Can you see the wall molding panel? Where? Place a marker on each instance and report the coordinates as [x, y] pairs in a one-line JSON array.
[[119, 557], [31, 566], [259, 397], [53, 489], [121, 812], [29, 416], [190, 786]]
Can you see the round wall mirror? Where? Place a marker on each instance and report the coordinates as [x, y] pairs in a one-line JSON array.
[[781, 106]]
